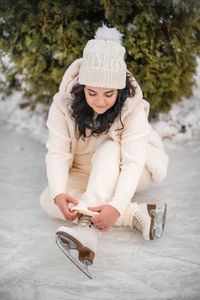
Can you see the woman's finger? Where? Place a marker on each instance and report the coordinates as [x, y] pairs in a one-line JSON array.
[[73, 214], [70, 199], [69, 218], [101, 228], [96, 208], [68, 214], [95, 220], [106, 228]]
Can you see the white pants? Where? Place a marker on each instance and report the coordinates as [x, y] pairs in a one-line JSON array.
[[98, 187]]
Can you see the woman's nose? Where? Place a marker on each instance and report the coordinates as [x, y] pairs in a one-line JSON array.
[[100, 101]]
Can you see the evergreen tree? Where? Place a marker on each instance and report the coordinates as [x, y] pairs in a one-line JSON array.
[[43, 38], [163, 40]]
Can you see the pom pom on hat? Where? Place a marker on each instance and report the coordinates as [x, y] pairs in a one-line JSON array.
[[105, 33]]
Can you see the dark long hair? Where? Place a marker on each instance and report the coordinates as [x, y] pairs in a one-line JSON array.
[[83, 114]]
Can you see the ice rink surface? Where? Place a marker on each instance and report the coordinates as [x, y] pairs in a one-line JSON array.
[[125, 266]]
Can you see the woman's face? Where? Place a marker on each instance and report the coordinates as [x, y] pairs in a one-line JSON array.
[[100, 99]]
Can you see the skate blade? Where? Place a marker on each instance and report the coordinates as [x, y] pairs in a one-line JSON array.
[[65, 247], [159, 217]]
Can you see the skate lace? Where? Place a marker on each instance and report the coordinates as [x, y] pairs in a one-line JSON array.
[[84, 223], [137, 222]]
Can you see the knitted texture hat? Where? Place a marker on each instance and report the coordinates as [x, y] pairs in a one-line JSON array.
[[103, 60]]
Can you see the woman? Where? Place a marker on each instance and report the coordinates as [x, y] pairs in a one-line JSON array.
[[101, 150]]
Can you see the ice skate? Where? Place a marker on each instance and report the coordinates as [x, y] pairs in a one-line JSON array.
[[82, 238], [150, 220]]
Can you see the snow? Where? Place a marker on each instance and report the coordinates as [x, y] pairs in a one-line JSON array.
[[31, 122], [183, 118], [125, 266]]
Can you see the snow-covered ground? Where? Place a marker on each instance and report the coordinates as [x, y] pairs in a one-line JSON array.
[[125, 266]]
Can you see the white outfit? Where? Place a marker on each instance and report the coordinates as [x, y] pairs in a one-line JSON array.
[[108, 169]]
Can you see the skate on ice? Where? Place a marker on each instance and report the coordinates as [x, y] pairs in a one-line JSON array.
[[150, 219], [82, 238]]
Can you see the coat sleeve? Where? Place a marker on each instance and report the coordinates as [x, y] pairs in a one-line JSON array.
[[58, 146], [133, 155]]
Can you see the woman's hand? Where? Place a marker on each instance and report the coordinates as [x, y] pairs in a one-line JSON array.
[[63, 200], [107, 217]]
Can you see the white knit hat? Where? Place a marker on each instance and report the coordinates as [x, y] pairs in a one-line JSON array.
[[103, 60]]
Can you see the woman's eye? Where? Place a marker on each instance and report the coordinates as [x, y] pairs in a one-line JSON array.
[[92, 94], [110, 95]]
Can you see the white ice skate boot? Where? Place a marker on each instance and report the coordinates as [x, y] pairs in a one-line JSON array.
[[83, 238], [150, 220]]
